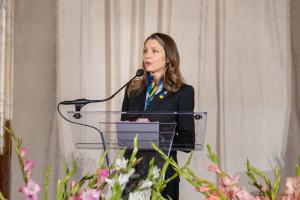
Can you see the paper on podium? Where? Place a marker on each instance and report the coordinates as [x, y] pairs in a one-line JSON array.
[[147, 132]]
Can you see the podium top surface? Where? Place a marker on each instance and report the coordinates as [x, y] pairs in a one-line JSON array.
[[176, 130]]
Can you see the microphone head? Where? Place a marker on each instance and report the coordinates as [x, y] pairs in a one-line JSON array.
[[139, 72]]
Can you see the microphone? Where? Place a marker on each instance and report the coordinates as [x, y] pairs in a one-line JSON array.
[[138, 73], [79, 103]]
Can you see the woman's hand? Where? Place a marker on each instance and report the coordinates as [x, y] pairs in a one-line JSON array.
[[142, 120]]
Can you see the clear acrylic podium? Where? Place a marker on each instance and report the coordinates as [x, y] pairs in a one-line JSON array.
[[108, 130]]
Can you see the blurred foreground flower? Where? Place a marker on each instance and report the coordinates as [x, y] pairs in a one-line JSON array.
[[106, 183], [115, 182], [227, 187]]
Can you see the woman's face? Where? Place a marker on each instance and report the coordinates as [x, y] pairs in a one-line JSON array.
[[154, 58]]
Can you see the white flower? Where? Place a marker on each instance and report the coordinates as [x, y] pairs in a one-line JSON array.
[[124, 178], [156, 171], [140, 195], [109, 181], [121, 163], [146, 184]]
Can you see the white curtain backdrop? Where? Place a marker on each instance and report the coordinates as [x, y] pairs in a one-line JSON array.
[[236, 54]]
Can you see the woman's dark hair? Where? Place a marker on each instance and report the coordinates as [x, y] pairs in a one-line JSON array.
[[172, 77]]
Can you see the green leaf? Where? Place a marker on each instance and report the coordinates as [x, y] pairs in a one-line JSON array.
[[272, 191], [63, 184], [1, 196], [116, 192], [188, 160], [212, 155], [150, 171], [46, 182], [163, 155], [81, 182], [298, 167], [101, 159], [172, 177], [134, 152], [276, 182], [11, 133]]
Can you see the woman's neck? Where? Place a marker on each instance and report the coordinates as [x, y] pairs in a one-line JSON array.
[[157, 76]]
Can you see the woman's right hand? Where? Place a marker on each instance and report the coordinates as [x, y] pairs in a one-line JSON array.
[[142, 120]]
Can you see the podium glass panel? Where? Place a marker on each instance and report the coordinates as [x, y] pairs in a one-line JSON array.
[[183, 131]]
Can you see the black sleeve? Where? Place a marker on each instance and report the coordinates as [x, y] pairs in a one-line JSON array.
[[125, 105], [185, 136]]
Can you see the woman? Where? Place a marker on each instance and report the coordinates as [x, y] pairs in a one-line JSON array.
[[162, 89]]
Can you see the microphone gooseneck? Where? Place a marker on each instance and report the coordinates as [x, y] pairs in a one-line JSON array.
[[83, 102], [79, 103]]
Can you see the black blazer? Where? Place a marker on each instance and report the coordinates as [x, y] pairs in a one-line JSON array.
[[181, 101]]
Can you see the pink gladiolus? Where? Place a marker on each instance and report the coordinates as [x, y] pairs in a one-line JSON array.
[[90, 194], [74, 198], [29, 164], [202, 189], [23, 151], [30, 190], [262, 198], [242, 194], [291, 188], [103, 173], [235, 179], [234, 190], [226, 181], [214, 168], [73, 184], [212, 197]]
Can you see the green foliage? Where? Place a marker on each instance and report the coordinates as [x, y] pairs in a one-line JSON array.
[[212, 155], [1, 196], [46, 182], [65, 189], [271, 190], [189, 175], [298, 167], [63, 184]]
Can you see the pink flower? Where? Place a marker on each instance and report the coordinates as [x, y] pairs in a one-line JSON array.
[[90, 194], [29, 164], [30, 190], [291, 188], [242, 194], [214, 168], [234, 190], [103, 173], [202, 189], [227, 181], [235, 179], [23, 151], [74, 198], [73, 184], [288, 188], [212, 197]]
